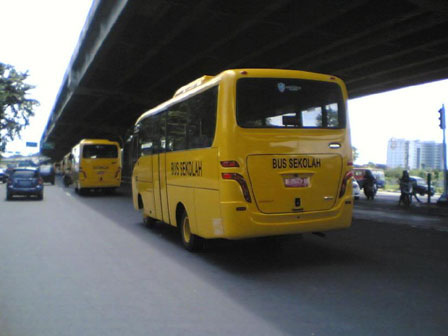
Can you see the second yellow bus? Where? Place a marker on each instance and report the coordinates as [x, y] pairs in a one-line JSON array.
[[96, 164]]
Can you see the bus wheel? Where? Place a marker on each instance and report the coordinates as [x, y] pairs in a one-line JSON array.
[[189, 240]]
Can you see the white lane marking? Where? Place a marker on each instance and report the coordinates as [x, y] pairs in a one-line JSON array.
[[68, 194]]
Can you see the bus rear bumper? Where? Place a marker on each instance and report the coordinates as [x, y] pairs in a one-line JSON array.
[[106, 184], [240, 224]]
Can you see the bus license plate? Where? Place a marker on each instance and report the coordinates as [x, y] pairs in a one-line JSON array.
[[297, 182]]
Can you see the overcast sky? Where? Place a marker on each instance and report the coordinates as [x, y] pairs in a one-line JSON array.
[[40, 36]]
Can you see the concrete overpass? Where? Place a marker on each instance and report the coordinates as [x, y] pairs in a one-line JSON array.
[[133, 54]]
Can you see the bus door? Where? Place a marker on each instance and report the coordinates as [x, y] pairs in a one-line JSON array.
[[143, 167], [156, 186], [159, 169]]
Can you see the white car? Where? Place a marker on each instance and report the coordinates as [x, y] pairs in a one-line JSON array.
[[356, 189]]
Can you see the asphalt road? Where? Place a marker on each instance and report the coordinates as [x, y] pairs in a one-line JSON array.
[[72, 265]]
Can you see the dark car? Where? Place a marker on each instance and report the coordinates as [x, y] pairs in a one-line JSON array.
[[47, 173], [25, 181], [420, 186]]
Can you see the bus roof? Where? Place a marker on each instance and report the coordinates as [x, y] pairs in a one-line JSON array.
[[193, 84], [98, 141]]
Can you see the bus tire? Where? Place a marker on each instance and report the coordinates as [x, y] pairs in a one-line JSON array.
[[190, 241]]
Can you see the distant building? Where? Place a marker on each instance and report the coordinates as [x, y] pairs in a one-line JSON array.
[[414, 154], [397, 153]]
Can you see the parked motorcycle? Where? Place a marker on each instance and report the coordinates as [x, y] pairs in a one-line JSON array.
[[369, 185], [66, 180], [370, 190]]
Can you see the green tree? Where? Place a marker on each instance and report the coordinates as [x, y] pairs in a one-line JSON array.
[[394, 173], [418, 172], [15, 107]]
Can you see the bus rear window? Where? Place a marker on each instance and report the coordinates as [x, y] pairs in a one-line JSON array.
[[289, 103], [99, 151], [25, 174]]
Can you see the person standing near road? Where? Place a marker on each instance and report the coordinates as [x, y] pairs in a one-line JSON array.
[[405, 188]]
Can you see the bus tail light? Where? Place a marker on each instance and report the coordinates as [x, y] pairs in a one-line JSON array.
[[229, 164], [117, 173], [347, 177], [241, 181]]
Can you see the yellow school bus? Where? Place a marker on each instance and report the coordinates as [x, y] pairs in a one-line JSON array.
[[96, 164], [246, 153]]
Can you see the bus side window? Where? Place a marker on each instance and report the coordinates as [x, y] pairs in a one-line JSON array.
[[158, 132], [145, 140], [133, 150], [176, 127], [202, 119]]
